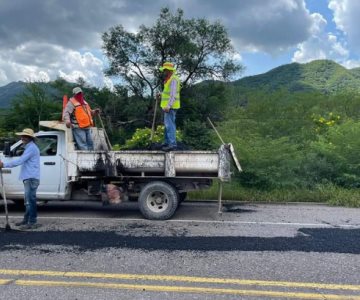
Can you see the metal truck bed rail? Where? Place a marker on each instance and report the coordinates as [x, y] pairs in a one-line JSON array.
[[152, 163]]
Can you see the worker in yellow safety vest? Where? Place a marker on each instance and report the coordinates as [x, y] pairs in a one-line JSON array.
[[78, 116], [170, 103]]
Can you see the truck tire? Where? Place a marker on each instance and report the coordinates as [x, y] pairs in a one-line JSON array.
[[158, 200]]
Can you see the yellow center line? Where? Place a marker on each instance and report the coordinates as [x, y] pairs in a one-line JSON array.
[[184, 289], [5, 281], [174, 278]]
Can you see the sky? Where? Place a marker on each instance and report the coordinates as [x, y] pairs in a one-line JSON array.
[[41, 40]]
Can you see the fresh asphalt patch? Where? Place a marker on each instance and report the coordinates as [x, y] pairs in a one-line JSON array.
[[195, 227], [330, 240]]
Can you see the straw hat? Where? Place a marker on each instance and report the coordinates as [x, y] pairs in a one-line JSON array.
[[28, 132]]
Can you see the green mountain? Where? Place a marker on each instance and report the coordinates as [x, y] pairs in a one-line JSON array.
[[324, 76], [9, 92]]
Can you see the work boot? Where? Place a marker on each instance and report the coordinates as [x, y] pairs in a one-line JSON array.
[[30, 226], [168, 148], [23, 222]]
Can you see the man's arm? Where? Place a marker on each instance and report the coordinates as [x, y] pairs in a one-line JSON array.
[[29, 152], [95, 112], [69, 109]]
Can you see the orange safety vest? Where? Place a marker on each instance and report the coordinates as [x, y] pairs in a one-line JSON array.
[[82, 114]]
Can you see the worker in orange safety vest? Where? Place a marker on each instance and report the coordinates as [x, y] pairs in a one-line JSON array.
[[78, 115]]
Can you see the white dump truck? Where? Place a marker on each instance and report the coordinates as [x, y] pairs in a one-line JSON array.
[[158, 180]]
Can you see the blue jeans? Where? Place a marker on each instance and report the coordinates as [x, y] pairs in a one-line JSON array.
[[170, 127], [30, 187], [83, 138]]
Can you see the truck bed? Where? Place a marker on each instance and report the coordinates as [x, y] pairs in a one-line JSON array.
[[212, 164], [142, 163]]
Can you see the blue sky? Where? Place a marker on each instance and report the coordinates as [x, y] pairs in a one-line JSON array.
[[42, 40], [257, 63]]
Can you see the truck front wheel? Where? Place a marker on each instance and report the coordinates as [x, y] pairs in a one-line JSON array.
[[158, 200]]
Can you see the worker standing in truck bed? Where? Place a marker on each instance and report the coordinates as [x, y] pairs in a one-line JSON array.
[[79, 116], [170, 103]]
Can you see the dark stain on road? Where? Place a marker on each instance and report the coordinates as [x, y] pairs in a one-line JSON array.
[[333, 240], [235, 208]]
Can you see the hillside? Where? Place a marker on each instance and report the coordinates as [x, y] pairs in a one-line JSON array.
[[9, 92], [324, 76]]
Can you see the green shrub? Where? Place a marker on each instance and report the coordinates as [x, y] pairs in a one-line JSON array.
[[142, 138], [197, 136], [325, 193]]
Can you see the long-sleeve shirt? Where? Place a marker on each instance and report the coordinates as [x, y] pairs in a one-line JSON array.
[[68, 114], [173, 90], [29, 161]]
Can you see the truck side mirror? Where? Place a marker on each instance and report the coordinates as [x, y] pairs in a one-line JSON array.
[[7, 151]]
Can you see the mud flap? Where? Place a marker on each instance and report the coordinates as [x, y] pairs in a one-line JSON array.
[[233, 155]]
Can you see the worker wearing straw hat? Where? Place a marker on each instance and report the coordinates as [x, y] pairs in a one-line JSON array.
[[29, 175]]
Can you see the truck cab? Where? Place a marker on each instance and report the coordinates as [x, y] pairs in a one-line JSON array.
[[52, 172]]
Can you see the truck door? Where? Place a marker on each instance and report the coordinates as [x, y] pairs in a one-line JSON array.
[[50, 169]]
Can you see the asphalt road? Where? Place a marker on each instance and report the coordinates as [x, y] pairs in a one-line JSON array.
[[251, 251]]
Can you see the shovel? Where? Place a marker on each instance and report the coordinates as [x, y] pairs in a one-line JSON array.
[[7, 226]]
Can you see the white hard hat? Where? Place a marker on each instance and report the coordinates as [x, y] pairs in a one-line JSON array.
[[77, 90]]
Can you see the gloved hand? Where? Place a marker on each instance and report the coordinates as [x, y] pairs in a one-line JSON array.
[[68, 124], [1, 164]]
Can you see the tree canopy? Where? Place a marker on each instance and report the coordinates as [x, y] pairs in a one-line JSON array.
[[33, 105], [200, 50]]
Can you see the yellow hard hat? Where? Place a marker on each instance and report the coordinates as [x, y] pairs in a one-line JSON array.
[[168, 66]]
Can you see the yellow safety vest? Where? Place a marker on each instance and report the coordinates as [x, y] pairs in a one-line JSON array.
[[165, 95]]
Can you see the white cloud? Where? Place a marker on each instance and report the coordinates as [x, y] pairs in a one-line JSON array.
[[3, 77], [61, 37], [256, 25], [350, 64], [237, 56], [44, 62], [321, 45], [346, 18]]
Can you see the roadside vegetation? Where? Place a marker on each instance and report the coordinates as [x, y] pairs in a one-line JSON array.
[[296, 129]]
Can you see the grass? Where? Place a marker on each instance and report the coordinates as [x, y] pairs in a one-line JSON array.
[[329, 194]]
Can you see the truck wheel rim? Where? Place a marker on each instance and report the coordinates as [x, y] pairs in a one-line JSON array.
[[157, 201]]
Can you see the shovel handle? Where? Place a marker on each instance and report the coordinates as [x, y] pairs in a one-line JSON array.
[[4, 197]]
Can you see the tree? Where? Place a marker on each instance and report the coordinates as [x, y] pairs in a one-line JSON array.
[[200, 50], [33, 105]]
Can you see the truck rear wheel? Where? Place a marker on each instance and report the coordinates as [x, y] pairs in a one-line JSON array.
[[158, 200]]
